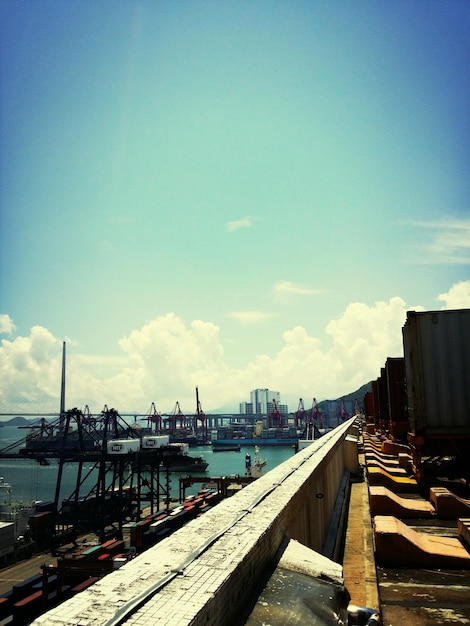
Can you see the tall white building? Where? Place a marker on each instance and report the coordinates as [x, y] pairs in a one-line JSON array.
[[262, 400]]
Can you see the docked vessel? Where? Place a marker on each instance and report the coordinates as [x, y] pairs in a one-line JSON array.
[[310, 434], [256, 468], [193, 464], [186, 463], [219, 447], [12, 510]]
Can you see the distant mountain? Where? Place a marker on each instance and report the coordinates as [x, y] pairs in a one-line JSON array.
[[231, 409], [18, 421], [351, 397]]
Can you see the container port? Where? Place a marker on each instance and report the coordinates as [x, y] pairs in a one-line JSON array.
[[405, 551]]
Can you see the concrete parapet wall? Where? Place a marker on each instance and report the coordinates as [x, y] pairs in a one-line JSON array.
[[205, 572]]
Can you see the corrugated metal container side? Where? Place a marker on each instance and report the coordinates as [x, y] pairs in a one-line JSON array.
[[375, 393], [383, 398], [123, 446], [395, 369], [7, 535], [437, 365], [155, 441]]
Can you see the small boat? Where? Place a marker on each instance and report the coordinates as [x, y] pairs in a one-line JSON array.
[[309, 435], [255, 469], [228, 448]]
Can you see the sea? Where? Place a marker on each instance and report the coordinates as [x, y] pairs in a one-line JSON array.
[[31, 482]]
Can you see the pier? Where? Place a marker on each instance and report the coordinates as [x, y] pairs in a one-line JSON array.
[[362, 539], [208, 573]]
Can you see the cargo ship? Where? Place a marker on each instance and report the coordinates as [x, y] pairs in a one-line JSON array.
[[12, 510], [226, 447], [185, 462], [254, 435], [179, 461]]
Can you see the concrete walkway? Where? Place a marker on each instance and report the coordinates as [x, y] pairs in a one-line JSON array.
[[359, 572]]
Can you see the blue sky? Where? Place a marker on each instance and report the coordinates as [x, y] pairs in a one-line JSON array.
[[226, 194]]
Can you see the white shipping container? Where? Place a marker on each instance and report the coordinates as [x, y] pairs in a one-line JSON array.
[[7, 538], [180, 448], [123, 446], [155, 526], [157, 441]]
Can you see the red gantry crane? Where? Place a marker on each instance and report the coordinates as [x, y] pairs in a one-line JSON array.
[[300, 415], [317, 414], [177, 416], [342, 414], [154, 419], [275, 416]]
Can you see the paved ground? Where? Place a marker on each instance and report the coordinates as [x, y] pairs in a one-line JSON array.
[[13, 574], [424, 597], [359, 571]]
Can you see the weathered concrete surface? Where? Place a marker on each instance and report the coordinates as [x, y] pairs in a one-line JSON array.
[[422, 597], [463, 529], [391, 447], [398, 545], [299, 558], [359, 563], [391, 467], [204, 573], [429, 595], [397, 484], [385, 502], [447, 504], [305, 588]]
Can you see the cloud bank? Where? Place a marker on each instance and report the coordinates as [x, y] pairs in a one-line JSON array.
[[245, 222], [286, 287], [445, 241], [165, 359]]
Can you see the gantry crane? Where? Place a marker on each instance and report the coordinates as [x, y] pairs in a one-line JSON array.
[[200, 416], [274, 416]]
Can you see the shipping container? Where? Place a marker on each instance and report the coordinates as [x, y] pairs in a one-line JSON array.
[[5, 606], [123, 446], [23, 588], [397, 414], [382, 394], [160, 441], [437, 365], [85, 584], [7, 537]]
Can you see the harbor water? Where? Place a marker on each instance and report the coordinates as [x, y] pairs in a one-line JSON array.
[[31, 481]]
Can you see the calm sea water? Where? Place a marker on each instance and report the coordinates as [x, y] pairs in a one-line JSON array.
[[31, 481]]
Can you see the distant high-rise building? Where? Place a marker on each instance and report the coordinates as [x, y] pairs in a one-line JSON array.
[[246, 408], [261, 398], [262, 403]]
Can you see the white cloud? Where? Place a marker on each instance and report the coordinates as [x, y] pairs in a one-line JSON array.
[[286, 287], [28, 370], [450, 241], [458, 296], [6, 324], [245, 222], [250, 317], [165, 359]]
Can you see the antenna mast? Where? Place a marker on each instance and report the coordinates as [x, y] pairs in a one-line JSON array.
[[62, 386]]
